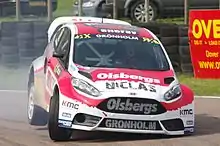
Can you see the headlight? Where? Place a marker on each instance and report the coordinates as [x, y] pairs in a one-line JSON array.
[[85, 87], [173, 93], [88, 4]]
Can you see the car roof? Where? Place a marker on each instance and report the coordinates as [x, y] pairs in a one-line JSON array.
[[109, 28], [59, 21]]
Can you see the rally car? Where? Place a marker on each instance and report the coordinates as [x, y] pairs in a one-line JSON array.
[[100, 74]]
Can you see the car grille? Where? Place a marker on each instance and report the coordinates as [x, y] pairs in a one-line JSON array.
[[131, 105], [130, 124]]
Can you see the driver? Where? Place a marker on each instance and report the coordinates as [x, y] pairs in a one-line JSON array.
[[131, 56]]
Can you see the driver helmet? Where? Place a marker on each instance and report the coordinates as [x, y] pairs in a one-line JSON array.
[[130, 52]]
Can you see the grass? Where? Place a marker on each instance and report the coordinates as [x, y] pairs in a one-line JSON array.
[[205, 87], [172, 20], [64, 8]]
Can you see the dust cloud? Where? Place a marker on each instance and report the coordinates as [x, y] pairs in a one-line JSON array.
[[13, 81]]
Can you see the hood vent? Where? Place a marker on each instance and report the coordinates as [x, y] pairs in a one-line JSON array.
[[168, 80], [86, 74]]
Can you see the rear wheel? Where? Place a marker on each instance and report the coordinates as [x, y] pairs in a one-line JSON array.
[[138, 12], [56, 133], [37, 116]]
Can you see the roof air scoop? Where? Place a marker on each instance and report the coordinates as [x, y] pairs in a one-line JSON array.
[[168, 80]]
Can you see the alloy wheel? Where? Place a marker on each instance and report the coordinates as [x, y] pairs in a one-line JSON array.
[[139, 13]]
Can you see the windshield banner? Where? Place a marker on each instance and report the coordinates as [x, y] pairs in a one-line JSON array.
[[204, 36]]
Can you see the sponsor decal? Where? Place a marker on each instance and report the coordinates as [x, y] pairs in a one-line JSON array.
[[109, 27], [150, 40], [186, 112], [129, 106], [83, 36], [106, 76], [131, 124], [117, 31], [130, 85], [115, 36], [67, 115], [57, 70], [133, 94], [189, 122], [63, 123], [70, 105]]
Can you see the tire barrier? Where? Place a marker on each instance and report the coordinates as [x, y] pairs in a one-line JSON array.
[[155, 28], [40, 37], [184, 53], [9, 49], [22, 42], [169, 38], [25, 42]]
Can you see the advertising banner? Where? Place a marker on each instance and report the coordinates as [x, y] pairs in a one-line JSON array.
[[204, 38]]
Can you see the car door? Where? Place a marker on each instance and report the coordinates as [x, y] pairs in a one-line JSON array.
[[56, 65]]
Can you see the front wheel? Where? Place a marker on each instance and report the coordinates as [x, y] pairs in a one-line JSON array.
[[56, 133], [138, 12], [37, 116]]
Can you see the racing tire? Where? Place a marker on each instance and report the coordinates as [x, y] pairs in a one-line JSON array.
[[56, 133], [37, 116], [138, 17], [186, 68]]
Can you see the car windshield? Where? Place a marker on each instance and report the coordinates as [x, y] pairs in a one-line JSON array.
[[129, 52]]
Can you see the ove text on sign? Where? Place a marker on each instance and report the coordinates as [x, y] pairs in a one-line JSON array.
[[207, 28]]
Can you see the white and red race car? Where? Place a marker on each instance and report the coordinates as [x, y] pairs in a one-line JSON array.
[[100, 74]]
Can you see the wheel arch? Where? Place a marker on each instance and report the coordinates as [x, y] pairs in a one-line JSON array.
[[56, 89], [30, 76], [36, 65]]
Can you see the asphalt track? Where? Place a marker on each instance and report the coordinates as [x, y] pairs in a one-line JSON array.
[[14, 130]]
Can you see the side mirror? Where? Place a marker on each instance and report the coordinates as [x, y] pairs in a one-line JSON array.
[[58, 55]]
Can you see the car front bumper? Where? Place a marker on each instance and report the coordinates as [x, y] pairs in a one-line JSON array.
[[83, 117]]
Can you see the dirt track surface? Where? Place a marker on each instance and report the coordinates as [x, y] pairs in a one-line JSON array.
[[14, 130]]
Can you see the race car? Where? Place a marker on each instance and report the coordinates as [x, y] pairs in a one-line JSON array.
[[99, 74]]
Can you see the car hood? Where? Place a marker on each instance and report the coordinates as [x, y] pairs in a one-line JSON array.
[[128, 80]]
